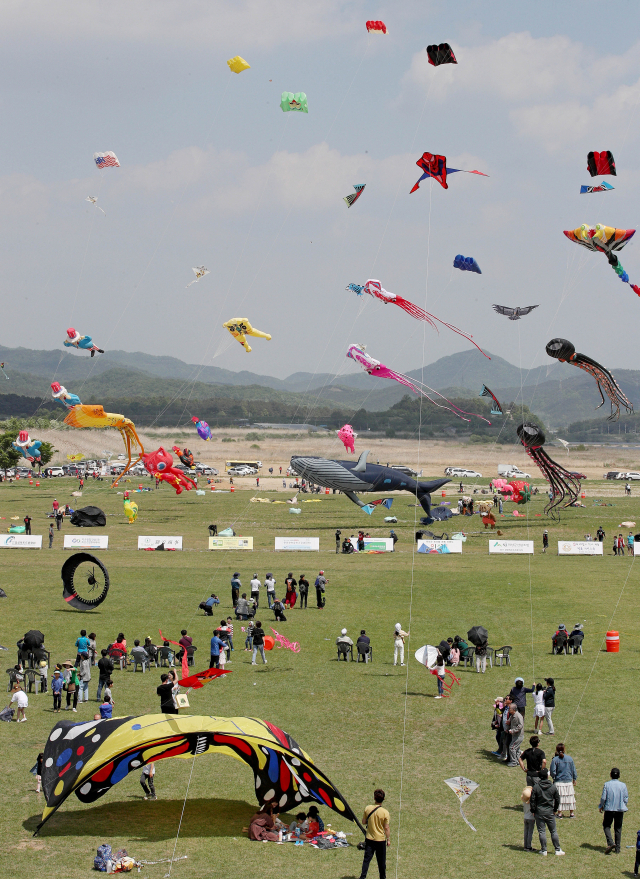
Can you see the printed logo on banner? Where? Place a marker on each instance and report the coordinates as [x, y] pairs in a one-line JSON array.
[[145, 542], [507, 547], [85, 541], [298, 544], [20, 541], [374, 544], [580, 547], [440, 547], [231, 543]]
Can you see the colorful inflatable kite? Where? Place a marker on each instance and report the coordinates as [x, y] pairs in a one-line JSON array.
[[605, 239], [496, 409], [75, 340], [204, 431], [376, 27], [291, 101], [374, 288], [601, 163], [160, 465], [240, 328], [436, 167], [441, 54], [238, 64], [563, 483], [348, 437], [514, 313], [466, 264], [130, 508], [88, 759], [78, 568], [95, 416], [564, 351], [199, 272], [353, 198], [106, 160], [379, 370], [604, 187], [185, 455], [62, 395], [28, 448], [94, 201]]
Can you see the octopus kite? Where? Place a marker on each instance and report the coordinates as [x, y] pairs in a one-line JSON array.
[[562, 483], [564, 351], [28, 448], [374, 288], [95, 416], [240, 328], [605, 239], [160, 465], [75, 340]]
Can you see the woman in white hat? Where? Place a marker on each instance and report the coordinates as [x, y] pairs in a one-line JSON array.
[[398, 643]]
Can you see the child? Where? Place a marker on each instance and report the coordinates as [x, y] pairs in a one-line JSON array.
[[297, 827], [529, 819], [314, 815], [108, 692], [148, 774], [39, 762], [538, 697], [440, 675], [248, 641], [57, 686], [545, 540], [106, 709], [222, 659], [22, 701], [454, 656], [230, 627]]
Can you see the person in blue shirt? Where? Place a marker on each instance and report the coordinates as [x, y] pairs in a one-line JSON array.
[[57, 686], [106, 709], [208, 605], [216, 646], [82, 645], [614, 803]]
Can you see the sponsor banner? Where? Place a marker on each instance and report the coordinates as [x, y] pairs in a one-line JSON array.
[[579, 547], [85, 541], [231, 543], [636, 547], [152, 542], [374, 544], [298, 544], [443, 547], [511, 546], [20, 541]]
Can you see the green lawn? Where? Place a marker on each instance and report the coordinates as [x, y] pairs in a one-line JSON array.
[[364, 726]]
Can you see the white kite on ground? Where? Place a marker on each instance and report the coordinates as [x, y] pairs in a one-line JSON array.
[[462, 788]]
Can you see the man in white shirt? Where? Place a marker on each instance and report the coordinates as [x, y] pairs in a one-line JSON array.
[[255, 589], [270, 583]]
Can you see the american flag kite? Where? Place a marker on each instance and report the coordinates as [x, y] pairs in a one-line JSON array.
[[106, 160]]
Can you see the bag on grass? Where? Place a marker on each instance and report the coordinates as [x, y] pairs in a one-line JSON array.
[[102, 857]]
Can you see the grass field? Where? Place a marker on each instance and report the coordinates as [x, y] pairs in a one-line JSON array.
[[364, 726]]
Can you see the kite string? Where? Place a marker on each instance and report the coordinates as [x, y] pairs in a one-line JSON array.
[[184, 804], [533, 661]]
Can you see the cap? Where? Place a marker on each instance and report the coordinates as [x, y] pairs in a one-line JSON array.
[[321, 572], [519, 679], [343, 632], [57, 671]]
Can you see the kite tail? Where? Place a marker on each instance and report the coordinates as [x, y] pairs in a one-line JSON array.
[[451, 407], [421, 314], [465, 819]]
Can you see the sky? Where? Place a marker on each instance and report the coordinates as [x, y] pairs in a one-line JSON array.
[[214, 173]]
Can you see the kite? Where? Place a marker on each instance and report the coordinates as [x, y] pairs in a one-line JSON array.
[[376, 27], [204, 431], [75, 340], [88, 759], [281, 641], [601, 163], [462, 788], [604, 187], [347, 435], [386, 502], [514, 313], [564, 351], [436, 167], [238, 64], [77, 568], [563, 443], [95, 416], [466, 264], [379, 370], [496, 408], [200, 678], [62, 395], [78, 457], [240, 328], [562, 483], [200, 272], [441, 54], [353, 198], [28, 448], [3, 372], [605, 239], [106, 160], [130, 508], [160, 465], [185, 455], [94, 201], [291, 101], [374, 288]]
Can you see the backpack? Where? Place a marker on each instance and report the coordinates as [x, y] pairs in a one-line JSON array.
[[102, 858]]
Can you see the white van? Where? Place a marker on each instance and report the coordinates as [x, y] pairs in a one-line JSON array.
[[509, 471]]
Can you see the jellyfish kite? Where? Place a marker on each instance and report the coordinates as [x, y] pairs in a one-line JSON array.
[[441, 54], [466, 264], [348, 437], [374, 288], [75, 340], [436, 166], [204, 431], [353, 198], [601, 163], [62, 395], [564, 351], [240, 328], [379, 370], [199, 272], [496, 408], [563, 484], [28, 448], [606, 240], [291, 101]]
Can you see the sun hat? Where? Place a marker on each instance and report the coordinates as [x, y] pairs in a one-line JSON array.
[[343, 632], [518, 679], [398, 627]]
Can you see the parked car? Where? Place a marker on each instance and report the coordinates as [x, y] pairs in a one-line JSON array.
[[23, 472], [241, 471], [510, 471], [55, 471], [632, 474], [612, 474], [203, 470], [462, 473], [580, 476]]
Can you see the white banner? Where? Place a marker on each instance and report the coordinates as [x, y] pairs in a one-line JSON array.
[[636, 547], [440, 546], [579, 547], [85, 541], [298, 544], [376, 544], [151, 542], [511, 546], [231, 543], [20, 541]]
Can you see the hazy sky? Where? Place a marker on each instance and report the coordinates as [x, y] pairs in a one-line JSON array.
[[214, 173]]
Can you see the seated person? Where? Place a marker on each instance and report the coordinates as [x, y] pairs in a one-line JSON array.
[[460, 643], [559, 640], [118, 648], [139, 653], [343, 638], [347, 546], [185, 641], [262, 826], [151, 648], [278, 609], [300, 825], [242, 608], [577, 636], [365, 641], [454, 655], [207, 606], [314, 815]]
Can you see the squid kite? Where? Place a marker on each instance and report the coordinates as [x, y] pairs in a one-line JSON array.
[[564, 351], [374, 288], [204, 431], [240, 328], [75, 340], [436, 167], [160, 465], [28, 448], [199, 272], [605, 239], [562, 483], [95, 416], [94, 201], [379, 370]]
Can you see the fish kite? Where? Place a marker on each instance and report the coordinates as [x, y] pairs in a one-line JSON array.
[[75, 340], [604, 187], [514, 313], [601, 163], [466, 264], [462, 788], [94, 201], [436, 167], [204, 431], [605, 239], [496, 408], [353, 198], [379, 370], [106, 160], [348, 437], [238, 64], [376, 27], [62, 395], [563, 483], [3, 372], [240, 328], [374, 288], [200, 272], [564, 351], [291, 101], [441, 54], [28, 448]]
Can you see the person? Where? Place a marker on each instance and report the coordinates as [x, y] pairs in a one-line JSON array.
[[270, 585], [217, 644], [365, 640], [320, 584], [303, 589], [50, 536], [278, 609], [248, 641], [55, 505], [601, 534], [613, 803], [576, 636], [84, 676], [73, 684], [394, 537], [208, 605], [106, 709], [538, 710], [559, 640], [147, 781], [314, 815], [105, 668], [39, 762], [440, 669], [138, 652], [262, 825], [166, 692], [82, 645], [481, 657], [57, 686], [534, 757], [343, 638], [454, 655], [505, 738], [151, 649], [630, 542], [398, 643], [545, 540], [230, 634], [360, 541], [22, 702], [516, 734], [255, 590], [258, 643], [299, 826], [545, 800], [620, 544], [529, 819], [242, 608], [347, 547], [93, 650], [460, 643], [549, 699], [236, 586], [338, 535], [59, 519], [563, 772], [378, 835], [519, 695], [27, 524]]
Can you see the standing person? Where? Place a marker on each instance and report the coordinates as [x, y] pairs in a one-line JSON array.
[[242, 608], [398, 643], [338, 533], [57, 686], [615, 545], [481, 658], [27, 524], [529, 819], [614, 803], [73, 684], [563, 772], [545, 540], [440, 669], [516, 734], [538, 710], [22, 702], [255, 590], [394, 537], [39, 762], [257, 482], [620, 544], [519, 695], [258, 643], [82, 645], [545, 800], [50, 535], [303, 588], [291, 594], [59, 519], [55, 506], [166, 691], [500, 505], [378, 835], [630, 542], [84, 676], [549, 699], [217, 644], [360, 541], [105, 668], [147, 779], [505, 738], [230, 631], [236, 586], [534, 757], [321, 582], [270, 585], [600, 534]]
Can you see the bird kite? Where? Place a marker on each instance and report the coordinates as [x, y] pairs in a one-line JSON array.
[[204, 431], [462, 788], [601, 163], [353, 198], [564, 351], [75, 340], [374, 288], [291, 101], [603, 187], [605, 239], [28, 448], [496, 408], [94, 416], [466, 264], [3, 372], [238, 64], [348, 437], [514, 313], [200, 272], [185, 455], [436, 166], [160, 465], [376, 27], [240, 328], [94, 201], [563, 483], [62, 395], [106, 160], [441, 54]]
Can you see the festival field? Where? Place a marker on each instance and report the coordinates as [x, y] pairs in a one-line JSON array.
[[364, 726]]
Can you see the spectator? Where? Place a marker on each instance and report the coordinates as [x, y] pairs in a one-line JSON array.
[[614, 803], [139, 653], [460, 643], [248, 641], [394, 537], [545, 800], [55, 505], [481, 657], [27, 524], [299, 826], [454, 655], [576, 636], [516, 733], [291, 595], [147, 781], [57, 686], [320, 584], [82, 645], [73, 684], [84, 676], [303, 589], [600, 534], [39, 762], [398, 643], [255, 590], [549, 700], [360, 541], [496, 723], [538, 710], [620, 545], [230, 633], [262, 826], [258, 643], [545, 540], [22, 702], [270, 586], [338, 535], [505, 738], [50, 535], [152, 650], [278, 609], [59, 519], [563, 772], [217, 644], [534, 757], [105, 668], [378, 835], [365, 640], [106, 709], [343, 638], [168, 687], [529, 819], [440, 670], [93, 650], [559, 640], [630, 542], [242, 608], [236, 586], [208, 605], [519, 695]]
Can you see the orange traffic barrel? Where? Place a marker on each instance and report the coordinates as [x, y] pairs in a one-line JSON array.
[[232, 489], [326, 491], [444, 494], [613, 642], [37, 484]]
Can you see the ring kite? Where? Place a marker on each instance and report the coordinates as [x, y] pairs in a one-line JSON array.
[[88, 759], [436, 166], [605, 239], [97, 581], [562, 483], [564, 351]]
